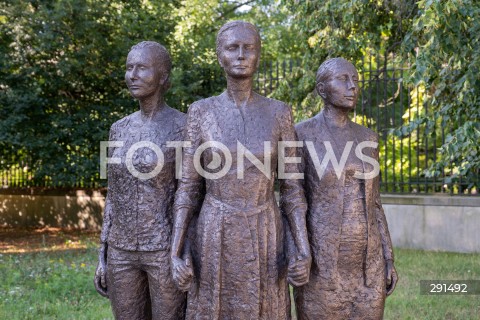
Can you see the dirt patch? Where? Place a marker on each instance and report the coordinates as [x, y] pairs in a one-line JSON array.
[[14, 240]]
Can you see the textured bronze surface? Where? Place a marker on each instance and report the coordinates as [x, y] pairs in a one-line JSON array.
[[134, 264], [234, 263], [352, 268]]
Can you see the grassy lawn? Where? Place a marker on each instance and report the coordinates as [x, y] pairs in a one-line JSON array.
[[55, 281], [413, 266], [51, 278]]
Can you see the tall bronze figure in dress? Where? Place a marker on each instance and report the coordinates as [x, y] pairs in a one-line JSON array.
[[239, 267], [134, 261], [352, 268]]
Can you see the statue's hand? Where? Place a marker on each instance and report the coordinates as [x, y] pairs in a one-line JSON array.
[[299, 270], [100, 274], [182, 272], [100, 281], [392, 277]]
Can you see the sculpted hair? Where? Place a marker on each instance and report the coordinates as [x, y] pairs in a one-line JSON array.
[[325, 71], [234, 24], [162, 57]]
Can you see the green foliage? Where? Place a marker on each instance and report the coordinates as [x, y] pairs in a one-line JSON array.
[[62, 66], [346, 28], [62, 79], [51, 285], [444, 49], [437, 39]]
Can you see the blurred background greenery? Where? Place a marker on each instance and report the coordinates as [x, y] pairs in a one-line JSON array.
[[62, 68]]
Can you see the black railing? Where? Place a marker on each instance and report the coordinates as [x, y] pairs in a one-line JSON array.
[[386, 103]]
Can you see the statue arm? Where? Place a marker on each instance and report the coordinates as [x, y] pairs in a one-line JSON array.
[[391, 273], [100, 274], [294, 207], [107, 220], [108, 212], [383, 228], [381, 219], [187, 199]]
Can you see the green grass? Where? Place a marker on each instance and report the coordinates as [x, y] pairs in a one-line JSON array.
[[58, 285], [413, 266], [53, 285]]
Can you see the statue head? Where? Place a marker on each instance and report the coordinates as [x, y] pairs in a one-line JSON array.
[[337, 83], [238, 49], [148, 69]]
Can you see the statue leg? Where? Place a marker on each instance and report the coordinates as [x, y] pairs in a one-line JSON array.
[[168, 303], [369, 304], [127, 285]]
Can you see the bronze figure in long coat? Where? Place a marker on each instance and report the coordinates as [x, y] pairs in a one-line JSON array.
[[239, 268], [352, 268]]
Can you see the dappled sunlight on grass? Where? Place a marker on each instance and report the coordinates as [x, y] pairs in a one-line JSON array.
[[45, 240], [51, 277]]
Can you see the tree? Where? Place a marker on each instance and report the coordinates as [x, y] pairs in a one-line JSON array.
[[62, 83], [438, 39], [62, 69], [351, 29], [193, 42], [444, 49]]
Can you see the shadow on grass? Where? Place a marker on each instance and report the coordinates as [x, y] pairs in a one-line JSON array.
[[46, 240]]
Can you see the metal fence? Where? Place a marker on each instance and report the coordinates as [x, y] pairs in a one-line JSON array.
[[386, 102]]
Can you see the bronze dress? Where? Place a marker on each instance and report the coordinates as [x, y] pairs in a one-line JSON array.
[[138, 219], [238, 245], [347, 230]]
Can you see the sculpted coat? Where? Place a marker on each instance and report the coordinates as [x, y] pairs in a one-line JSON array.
[[325, 198], [138, 220], [352, 270], [238, 245], [240, 268], [138, 213]]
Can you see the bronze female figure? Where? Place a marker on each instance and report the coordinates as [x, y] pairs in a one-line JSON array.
[[134, 261], [352, 268], [239, 267]]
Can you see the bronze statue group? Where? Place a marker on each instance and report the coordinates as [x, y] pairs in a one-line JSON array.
[[222, 247]]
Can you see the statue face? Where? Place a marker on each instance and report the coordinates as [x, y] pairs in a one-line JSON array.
[[239, 52], [341, 90], [143, 76]]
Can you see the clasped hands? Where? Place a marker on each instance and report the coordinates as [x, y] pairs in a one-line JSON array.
[[182, 272], [299, 270]]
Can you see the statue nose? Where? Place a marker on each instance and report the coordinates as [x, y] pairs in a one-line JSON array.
[[351, 84], [133, 74], [241, 53]]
